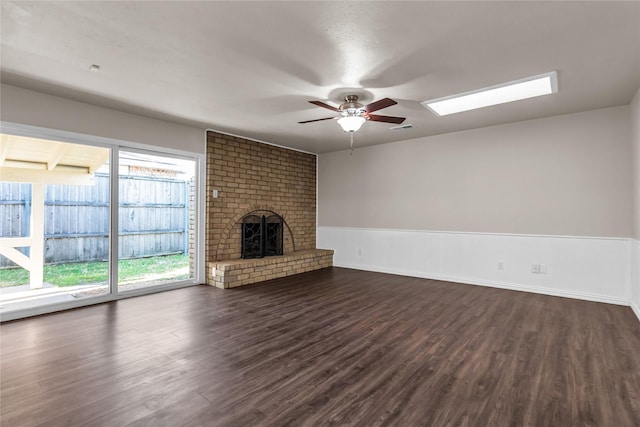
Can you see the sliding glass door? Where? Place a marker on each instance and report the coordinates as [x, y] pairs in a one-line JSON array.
[[83, 223]]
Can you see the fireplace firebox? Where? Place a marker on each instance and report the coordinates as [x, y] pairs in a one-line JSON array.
[[262, 236]]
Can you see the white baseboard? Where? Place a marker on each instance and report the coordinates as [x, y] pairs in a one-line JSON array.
[[634, 279], [586, 268], [635, 309], [493, 284]]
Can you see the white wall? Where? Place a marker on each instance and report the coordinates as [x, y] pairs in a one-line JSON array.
[[568, 175], [27, 107], [554, 191], [635, 243]]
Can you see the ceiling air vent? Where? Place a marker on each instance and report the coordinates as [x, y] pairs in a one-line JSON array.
[[402, 127]]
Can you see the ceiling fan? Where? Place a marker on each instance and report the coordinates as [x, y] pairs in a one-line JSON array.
[[353, 114]]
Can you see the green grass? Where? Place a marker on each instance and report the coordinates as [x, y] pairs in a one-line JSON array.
[[174, 267], [170, 267]]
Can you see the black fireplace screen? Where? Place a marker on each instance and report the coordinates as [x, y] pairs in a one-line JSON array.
[[261, 236]]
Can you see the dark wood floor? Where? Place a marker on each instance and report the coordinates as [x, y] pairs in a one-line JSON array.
[[334, 346]]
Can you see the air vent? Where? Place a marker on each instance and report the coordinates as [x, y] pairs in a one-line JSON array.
[[402, 127]]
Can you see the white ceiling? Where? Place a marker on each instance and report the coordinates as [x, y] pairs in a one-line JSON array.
[[249, 68]]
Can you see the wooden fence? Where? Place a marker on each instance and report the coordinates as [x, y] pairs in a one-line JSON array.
[[153, 218]]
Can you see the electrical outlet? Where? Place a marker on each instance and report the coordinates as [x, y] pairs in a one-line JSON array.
[[500, 265], [535, 268], [543, 268]]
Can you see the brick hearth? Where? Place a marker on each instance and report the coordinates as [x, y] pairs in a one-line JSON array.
[[233, 273]]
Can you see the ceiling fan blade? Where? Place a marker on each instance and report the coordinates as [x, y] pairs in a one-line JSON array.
[[379, 105], [323, 105], [386, 119], [317, 120]]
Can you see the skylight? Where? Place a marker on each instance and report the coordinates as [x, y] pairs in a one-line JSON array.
[[529, 87]]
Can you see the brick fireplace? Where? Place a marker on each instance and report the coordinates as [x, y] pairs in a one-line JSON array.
[[253, 180]]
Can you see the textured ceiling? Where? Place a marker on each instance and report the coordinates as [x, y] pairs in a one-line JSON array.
[[249, 68]]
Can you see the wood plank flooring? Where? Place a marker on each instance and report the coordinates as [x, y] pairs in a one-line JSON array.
[[330, 347]]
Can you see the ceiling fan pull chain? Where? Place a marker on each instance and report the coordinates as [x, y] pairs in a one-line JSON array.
[[351, 133]]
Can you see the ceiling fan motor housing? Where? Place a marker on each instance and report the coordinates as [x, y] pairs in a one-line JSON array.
[[351, 107]]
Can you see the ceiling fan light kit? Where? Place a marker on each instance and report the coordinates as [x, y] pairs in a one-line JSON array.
[[351, 123]]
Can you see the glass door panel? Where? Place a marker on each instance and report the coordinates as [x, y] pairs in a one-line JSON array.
[[54, 237], [156, 220]]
